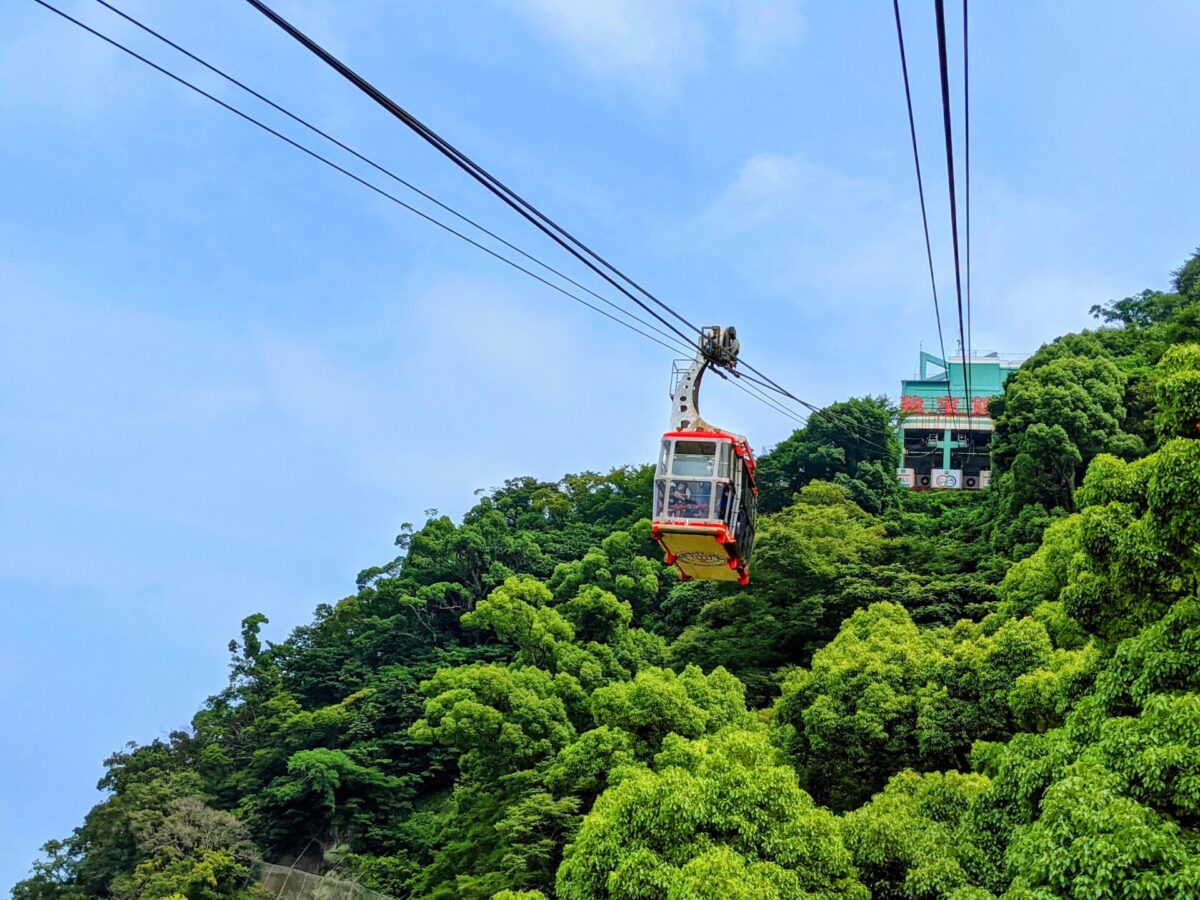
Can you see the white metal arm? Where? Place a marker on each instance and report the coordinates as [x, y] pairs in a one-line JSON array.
[[718, 346]]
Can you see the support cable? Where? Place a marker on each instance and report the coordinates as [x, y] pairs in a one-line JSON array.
[[529, 212], [912, 129], [333, 165], [852, 427], [764, 399], [940, 8], [375, 165], [674, 346], [967, 185], [967, 160], [543, 223]]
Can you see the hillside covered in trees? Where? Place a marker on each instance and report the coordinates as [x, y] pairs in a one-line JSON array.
[[920, 695]]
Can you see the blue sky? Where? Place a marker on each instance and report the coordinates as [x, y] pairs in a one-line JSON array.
[[228, 375]]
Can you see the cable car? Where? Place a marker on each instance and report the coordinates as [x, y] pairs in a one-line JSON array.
[[705, 499]]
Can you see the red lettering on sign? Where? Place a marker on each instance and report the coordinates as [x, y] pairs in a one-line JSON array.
[[979, 406], [912, 405], [948, 405]]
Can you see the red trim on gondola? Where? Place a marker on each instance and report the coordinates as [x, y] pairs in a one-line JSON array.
[[715, 435]]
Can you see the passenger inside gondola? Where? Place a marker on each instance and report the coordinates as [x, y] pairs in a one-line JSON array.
[[689, 499]]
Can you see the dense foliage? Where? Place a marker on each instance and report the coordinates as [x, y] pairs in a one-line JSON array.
[[919, 696]]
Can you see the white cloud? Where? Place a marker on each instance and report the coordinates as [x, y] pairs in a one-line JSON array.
[[49, 64], [764, 28], [797, 225], [800, 226], [654, 46], [473, 375]]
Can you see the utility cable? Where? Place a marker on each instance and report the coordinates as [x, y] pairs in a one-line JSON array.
[[375, 165], [967, 187], [675, 345], [543, 223], [852, 427], [967, 161], [523, 207], [732, 376], [766, 400], [912, 129], [331, 164], [940, 7], [758, 395]]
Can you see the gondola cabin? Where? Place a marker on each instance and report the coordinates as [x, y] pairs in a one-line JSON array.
[[704, 504]]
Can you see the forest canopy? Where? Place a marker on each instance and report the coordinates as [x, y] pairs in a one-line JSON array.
[[920, 695]]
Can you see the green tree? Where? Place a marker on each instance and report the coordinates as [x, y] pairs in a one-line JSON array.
[[718, 817], [1177, 392], [1091, 841], [497, 691], [1138, 538], [885, 695], [626, 565], [1059, 411], [845, 439], [499, 719], [802, 556], [908, 842], [658, 702], [517, 612]]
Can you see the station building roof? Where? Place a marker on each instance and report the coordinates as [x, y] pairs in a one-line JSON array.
[[937, 397]]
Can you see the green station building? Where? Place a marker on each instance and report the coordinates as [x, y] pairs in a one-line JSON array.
[[945, 431]]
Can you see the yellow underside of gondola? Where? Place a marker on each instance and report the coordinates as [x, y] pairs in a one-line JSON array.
[[698, 554]]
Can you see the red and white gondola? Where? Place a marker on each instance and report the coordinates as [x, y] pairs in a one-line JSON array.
[[705, 498]]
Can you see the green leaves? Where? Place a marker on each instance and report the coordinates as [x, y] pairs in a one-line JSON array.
[[658, 702], [885, 695], [499, 719], [516, 611], [597, 615], [1177, 393], [853, 440], [803, 556], [909, 840], [1134, 549], [320, 775], [719, 817], [1173, 497], [1090, 841], [1059, 411]]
